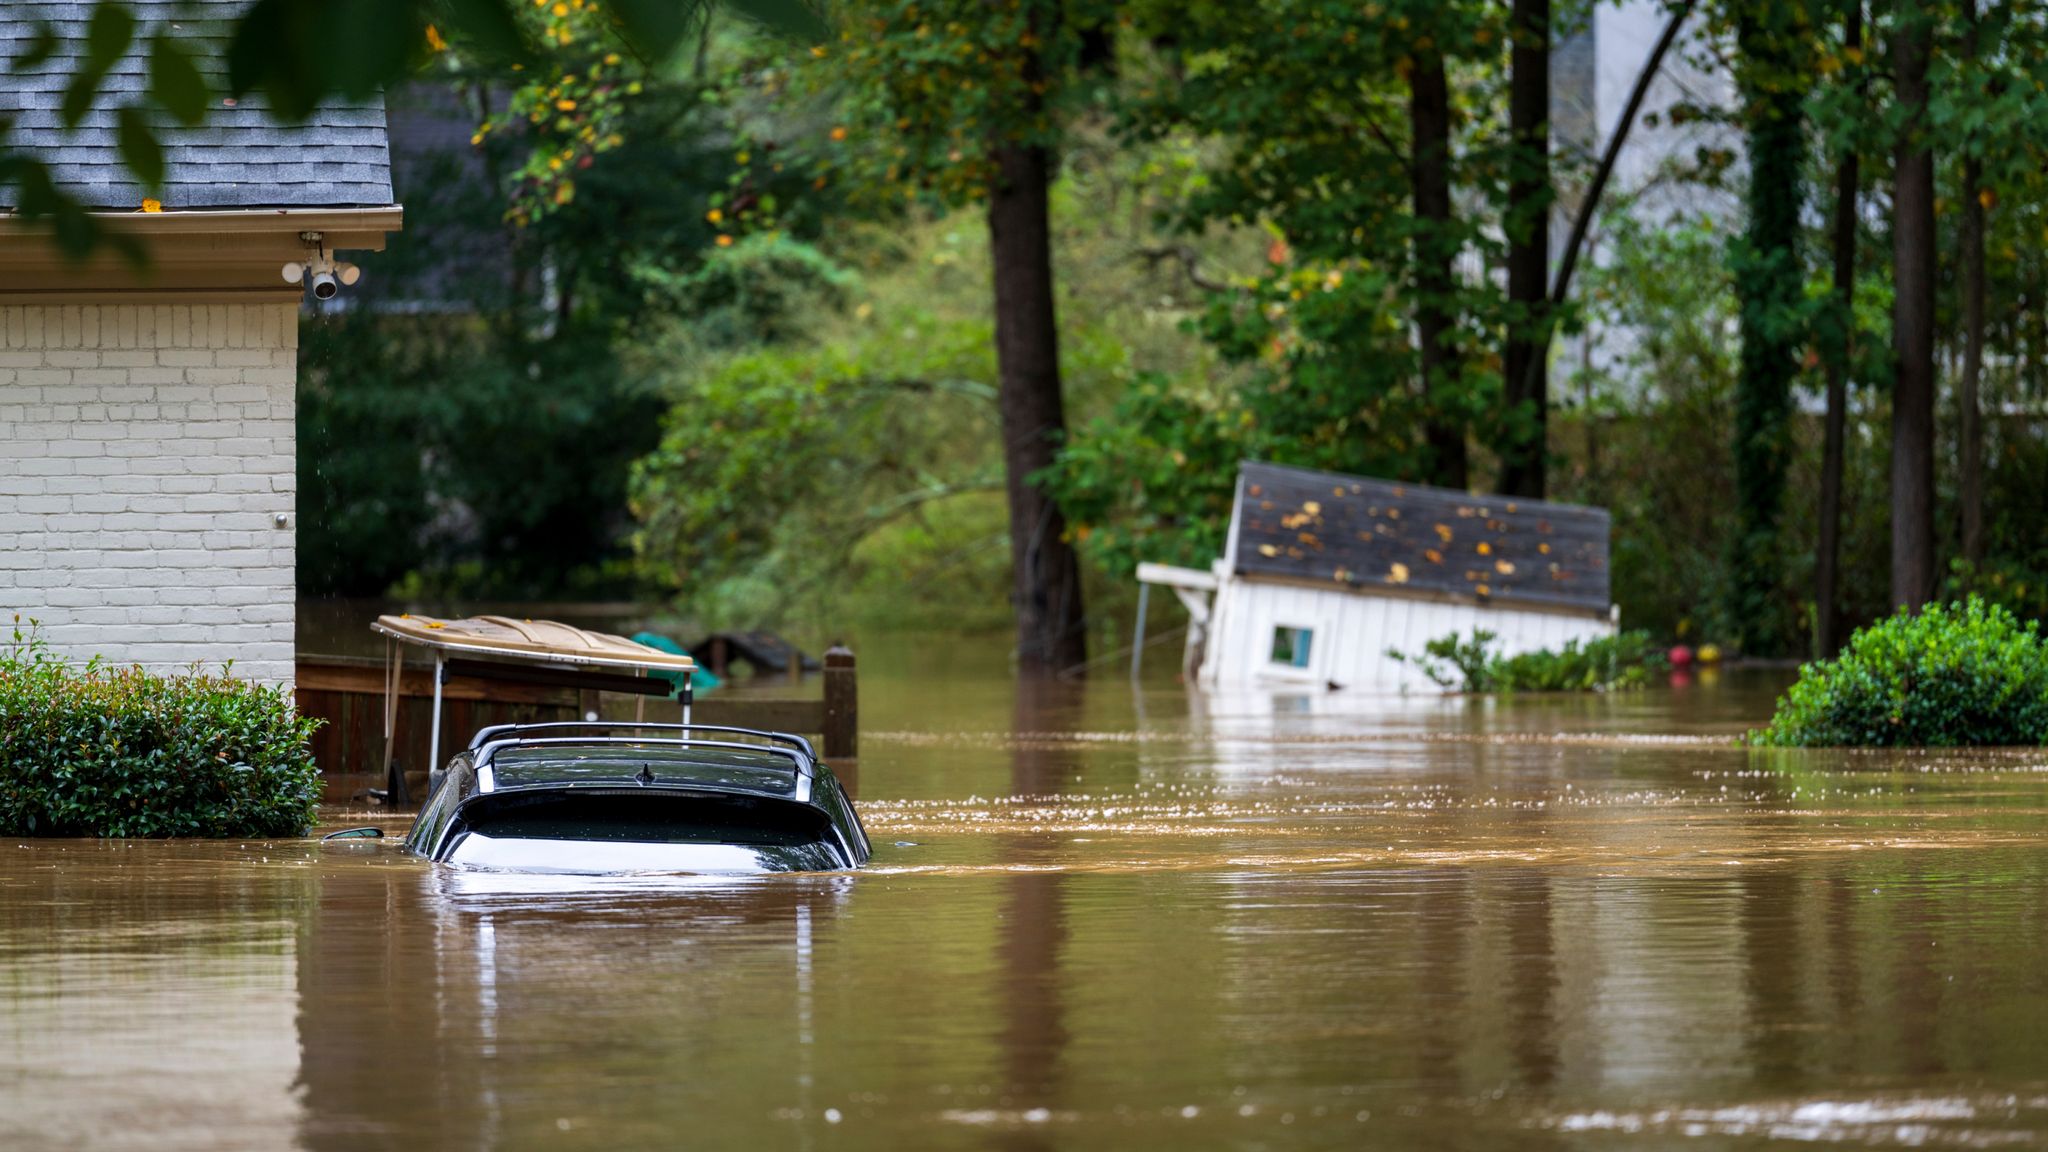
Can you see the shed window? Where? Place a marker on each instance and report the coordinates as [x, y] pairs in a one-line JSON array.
[[1290, 646]]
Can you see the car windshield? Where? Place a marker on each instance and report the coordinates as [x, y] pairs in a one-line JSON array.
[[643, 830], [644, 816]]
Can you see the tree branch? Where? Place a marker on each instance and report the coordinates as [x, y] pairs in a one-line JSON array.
[[1188, 258]]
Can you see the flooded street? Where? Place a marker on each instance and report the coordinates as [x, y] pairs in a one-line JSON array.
[[1106, 920]]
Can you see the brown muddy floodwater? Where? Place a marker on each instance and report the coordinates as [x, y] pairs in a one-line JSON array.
[[1101, 920]]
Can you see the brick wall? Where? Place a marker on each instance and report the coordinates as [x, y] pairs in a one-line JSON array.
[[145, 455]]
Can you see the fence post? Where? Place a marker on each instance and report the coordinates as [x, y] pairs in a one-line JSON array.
[[842, 705]]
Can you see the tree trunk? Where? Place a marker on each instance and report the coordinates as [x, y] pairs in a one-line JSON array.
[[1828, 552], [1970, 429], [1582, 220], [1429, 119], [1047, 591], [1769, 286], [1528, 213], [1913, 271]]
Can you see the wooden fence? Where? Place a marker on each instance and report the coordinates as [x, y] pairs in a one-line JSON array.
[[348, 694]]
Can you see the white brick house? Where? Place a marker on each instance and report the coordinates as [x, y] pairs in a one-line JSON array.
[[147, 437]]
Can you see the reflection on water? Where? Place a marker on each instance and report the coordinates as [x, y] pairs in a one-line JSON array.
[[1099, 920]]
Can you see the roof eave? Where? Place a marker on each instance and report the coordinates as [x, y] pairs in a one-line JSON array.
[[381, 220], [197, 256]]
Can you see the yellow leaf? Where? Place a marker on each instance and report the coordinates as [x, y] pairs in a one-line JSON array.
[[1397, 574], [434, 40], [152, 206]]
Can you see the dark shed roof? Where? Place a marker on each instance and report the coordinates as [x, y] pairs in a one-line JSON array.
[[237, 158], [1366, 535]]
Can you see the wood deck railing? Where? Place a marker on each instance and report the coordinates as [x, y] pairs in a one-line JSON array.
[[348, 694]]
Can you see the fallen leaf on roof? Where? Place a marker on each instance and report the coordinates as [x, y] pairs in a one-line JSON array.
[[1312, 508], [1397, 574], [1268, 550], [1485, 549], [1503, 567], [1443, 532], [1432, 555]]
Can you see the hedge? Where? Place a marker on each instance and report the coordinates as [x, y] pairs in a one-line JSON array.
[[1946, 676], [92, 750]]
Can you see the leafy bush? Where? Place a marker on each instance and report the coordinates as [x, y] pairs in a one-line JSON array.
[[1603, 664], [1965, 673], [99, 751]]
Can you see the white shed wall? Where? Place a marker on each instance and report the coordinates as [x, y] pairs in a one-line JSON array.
[[1352, 632], [145, 454]]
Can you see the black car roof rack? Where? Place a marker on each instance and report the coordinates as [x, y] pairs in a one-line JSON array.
[[510, 733], [800, 766]]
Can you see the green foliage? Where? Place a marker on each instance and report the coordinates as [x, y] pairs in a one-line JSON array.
[[777, 460], [1965, 673], [925, 90], [765, 289], [98, 751], [1603, 664], [485, 463], [832, 451], [1325, 327], [1154, 479]]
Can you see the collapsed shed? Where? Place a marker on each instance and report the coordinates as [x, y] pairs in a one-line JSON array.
[[1324, 573]]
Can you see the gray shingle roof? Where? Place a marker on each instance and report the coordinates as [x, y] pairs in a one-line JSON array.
[[1363, 534], [237, 158]]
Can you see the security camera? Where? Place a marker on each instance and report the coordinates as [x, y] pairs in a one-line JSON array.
[[327, 274]]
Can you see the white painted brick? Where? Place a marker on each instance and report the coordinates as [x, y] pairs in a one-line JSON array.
[[144, 451]]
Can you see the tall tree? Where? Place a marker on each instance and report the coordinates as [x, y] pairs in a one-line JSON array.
[[1970, 426], [1046, 593], [1913, 273], [1840, 330], [1528, 227], [1436, 247], [1769, 282], [967, 102]]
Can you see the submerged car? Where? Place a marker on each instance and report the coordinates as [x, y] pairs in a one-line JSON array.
[[621, 798]]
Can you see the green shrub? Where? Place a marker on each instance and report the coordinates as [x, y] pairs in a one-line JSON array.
[[1603, 664], [99, 751], [1965, 673]]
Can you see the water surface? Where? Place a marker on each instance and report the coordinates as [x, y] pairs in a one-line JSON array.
[[1101, 919]]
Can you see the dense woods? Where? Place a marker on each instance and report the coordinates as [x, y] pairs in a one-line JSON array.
[[915, 308]]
